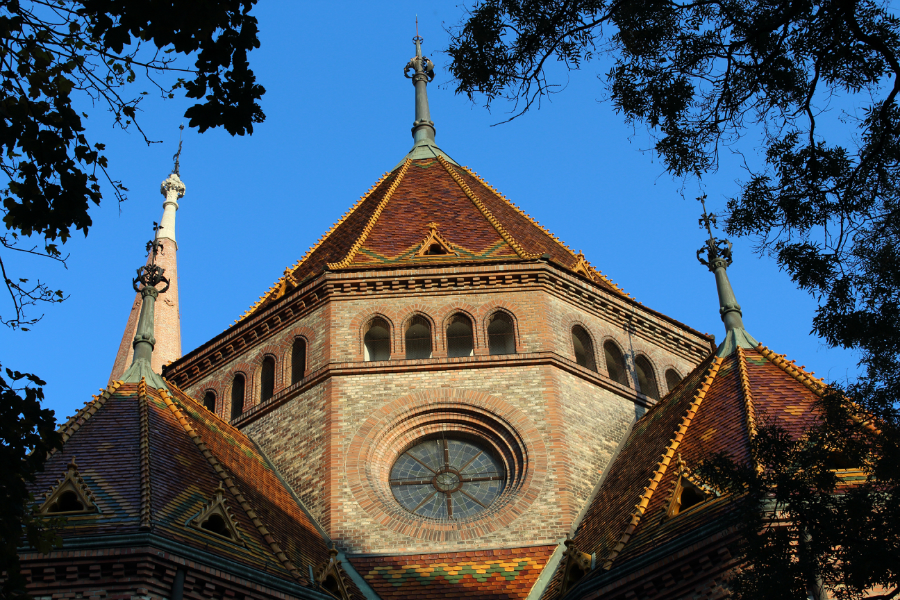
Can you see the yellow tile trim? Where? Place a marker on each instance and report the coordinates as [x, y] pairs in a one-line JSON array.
[[289, 271], [485, 211], [747, 392], [90, 408], [663, 464], [549, 234], [373, 219], [232, 487]]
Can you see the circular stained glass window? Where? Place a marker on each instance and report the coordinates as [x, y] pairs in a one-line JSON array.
[[447, 478]]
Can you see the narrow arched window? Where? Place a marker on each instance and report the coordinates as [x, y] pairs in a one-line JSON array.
[[418, 338], [646, 377], [460, 341], [500, 334], [672, 379], [209, 401], [298, 360], [615, 363], [237, 396], [584, 348], [377, 341], [267, 379]]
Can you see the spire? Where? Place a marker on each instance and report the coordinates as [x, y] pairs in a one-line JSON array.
[[166, 319], [718, 259], [148, 277], [423, 130]]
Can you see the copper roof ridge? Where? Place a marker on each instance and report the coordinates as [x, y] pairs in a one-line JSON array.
[[546, 231], [345, 262], [313, 248], [663, 465], [90, 408], [232, 487], [146, 499], [486, 213]]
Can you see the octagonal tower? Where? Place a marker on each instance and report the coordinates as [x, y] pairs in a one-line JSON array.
[[439, 373]]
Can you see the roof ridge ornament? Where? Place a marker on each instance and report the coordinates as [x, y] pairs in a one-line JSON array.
[[718, 259], [148, 277]]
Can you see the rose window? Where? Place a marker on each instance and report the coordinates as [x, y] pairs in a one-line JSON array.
[[447, 478]]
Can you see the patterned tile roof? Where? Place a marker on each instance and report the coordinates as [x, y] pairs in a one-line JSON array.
[[391, 221], [714, 409], [153, 460], [506, 573]]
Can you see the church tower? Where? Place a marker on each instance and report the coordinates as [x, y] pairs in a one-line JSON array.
[[439, 372], [167, 317]]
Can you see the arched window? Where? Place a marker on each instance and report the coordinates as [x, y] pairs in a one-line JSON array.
[[615, 363], [267, 379], [646, 377], [584, 348], [460, 341], [377, 340], [418, 338], [298, 360], [672, 379], [500, 334], [237, 396], [209, 401]]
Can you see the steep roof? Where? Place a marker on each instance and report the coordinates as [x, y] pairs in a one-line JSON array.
[[155, 461], [397, 220], [488, 574], [714, 409]]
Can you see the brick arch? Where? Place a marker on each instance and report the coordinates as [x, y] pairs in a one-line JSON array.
[[416, 310], [390, 431], [665, 368], [246, 369], [604, 370], [653, 366], [363, 318], [216, 388], [273, 350], [489, 310], [288, 338], [447, 311], [570, 322]]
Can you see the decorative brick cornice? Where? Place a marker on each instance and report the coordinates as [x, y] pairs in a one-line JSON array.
[[486, 212], [233, 489], [345, 262], [663, 464]]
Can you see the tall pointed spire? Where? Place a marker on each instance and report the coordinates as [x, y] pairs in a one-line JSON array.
[[166, 319], [718, 259], [148, 278], [423, 130]]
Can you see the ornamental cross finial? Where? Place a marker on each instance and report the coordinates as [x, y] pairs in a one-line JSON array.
[[717, 251], [177, 157], [151, 274]]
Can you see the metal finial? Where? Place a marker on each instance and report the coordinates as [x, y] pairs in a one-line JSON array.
[[177, 156], [151, 274], [716, 249]]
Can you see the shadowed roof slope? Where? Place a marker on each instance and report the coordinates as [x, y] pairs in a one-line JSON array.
[[714, 409], [154, 461], [390, 224]]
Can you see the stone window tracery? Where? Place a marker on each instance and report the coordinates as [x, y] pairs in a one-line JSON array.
[[584, 348], [501, 339], [615, 362], [377, 340], [447, 478], [418, 338]]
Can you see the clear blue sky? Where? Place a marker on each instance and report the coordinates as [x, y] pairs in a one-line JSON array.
[[339, 113]]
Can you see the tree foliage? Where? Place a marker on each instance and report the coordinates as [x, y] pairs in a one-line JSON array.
[[27, 434], [702, 76]]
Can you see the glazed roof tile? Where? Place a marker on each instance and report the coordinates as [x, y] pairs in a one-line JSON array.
[[391, 221], [495, 574], [714, 409], [153, 460]]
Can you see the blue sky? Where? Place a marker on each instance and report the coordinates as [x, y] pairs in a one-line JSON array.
[[339, 113]]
